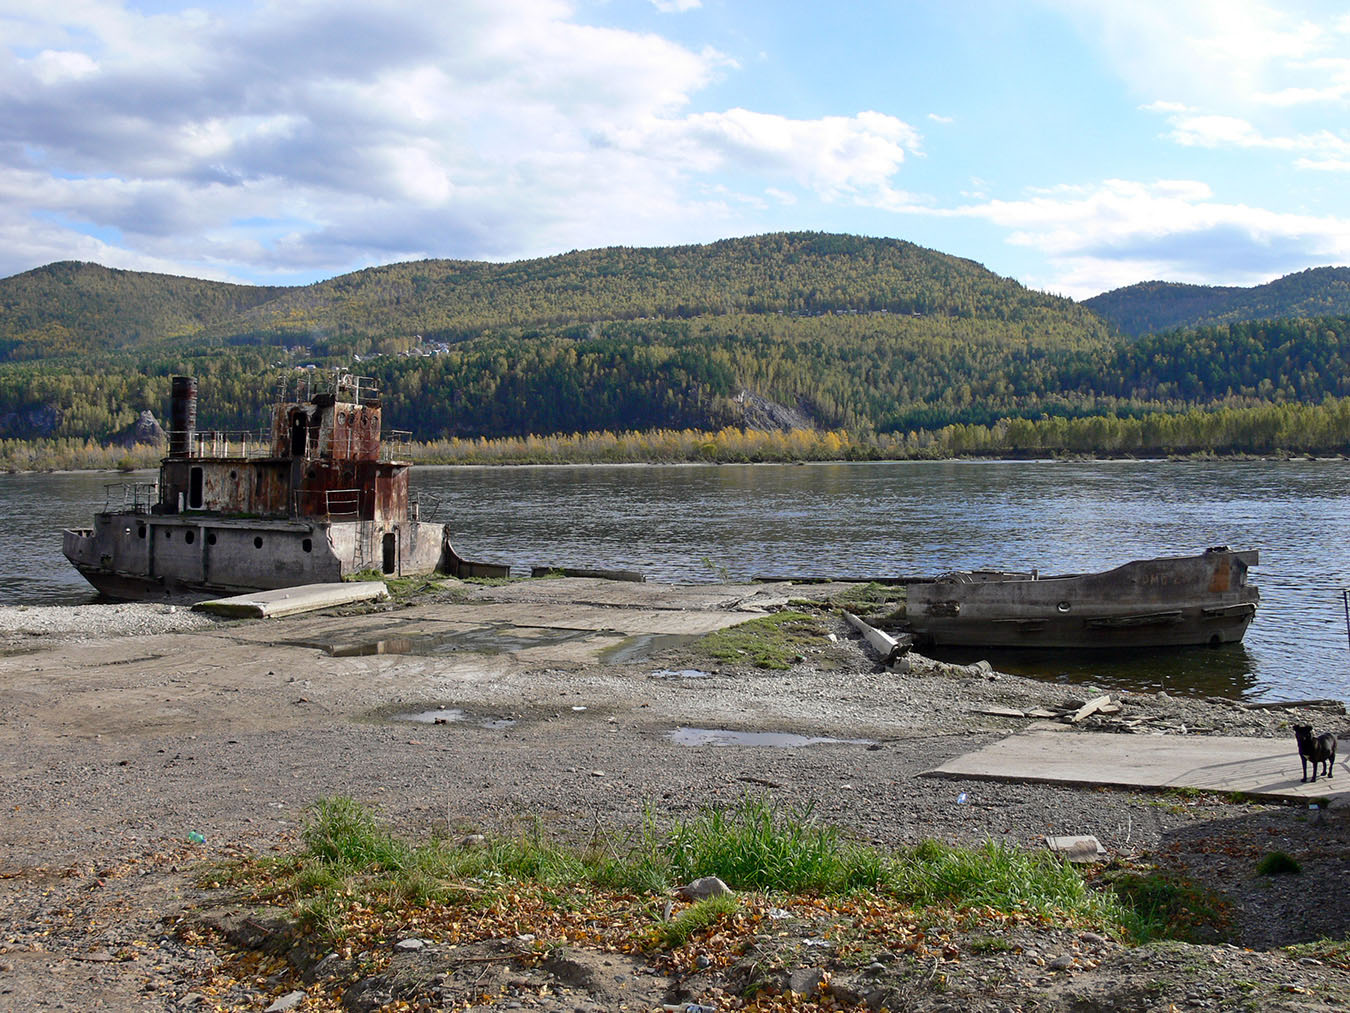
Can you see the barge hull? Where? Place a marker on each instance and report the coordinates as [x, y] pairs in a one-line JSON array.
[[1167, 602]]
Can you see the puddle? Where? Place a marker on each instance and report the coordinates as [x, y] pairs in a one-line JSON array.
[[502, 639], [453, 715], [727, 737], [682, 673], [644, 646]]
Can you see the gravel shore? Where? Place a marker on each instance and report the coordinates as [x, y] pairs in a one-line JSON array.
[[19, 623], [126, 730]]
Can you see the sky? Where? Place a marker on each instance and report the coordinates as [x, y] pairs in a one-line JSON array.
[[1074, 145]]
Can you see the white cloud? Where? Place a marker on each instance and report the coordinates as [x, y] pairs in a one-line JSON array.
[[1120, 231], [837, 157], [676, 6], [1218, 53], [1321, 148], [339, 133]]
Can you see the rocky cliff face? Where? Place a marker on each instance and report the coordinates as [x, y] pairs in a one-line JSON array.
[[30, 423], [144, 430]]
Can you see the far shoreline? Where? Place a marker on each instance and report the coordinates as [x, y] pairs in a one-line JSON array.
[[1064, 458]]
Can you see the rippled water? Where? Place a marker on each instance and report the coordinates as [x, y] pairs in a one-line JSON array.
[[710, 523]]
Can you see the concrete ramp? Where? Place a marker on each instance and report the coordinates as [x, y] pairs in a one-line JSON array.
[[1263, 768], [286, 601]]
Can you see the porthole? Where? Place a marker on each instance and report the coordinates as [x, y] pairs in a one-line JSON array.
[[257, 541], [307, 545], [168, 535], [210, 538], [140, 532], [1063, 606], [189, 536]]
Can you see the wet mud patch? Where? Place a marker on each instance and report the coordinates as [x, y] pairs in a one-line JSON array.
[[680, 673], [500, 638], [644, 645], [686, 736], [450, 715], [455, 715]]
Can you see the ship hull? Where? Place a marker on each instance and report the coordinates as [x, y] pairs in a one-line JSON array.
[[1168, 602], [185, 557]]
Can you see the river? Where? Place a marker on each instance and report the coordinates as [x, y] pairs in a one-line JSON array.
[[707, 523]]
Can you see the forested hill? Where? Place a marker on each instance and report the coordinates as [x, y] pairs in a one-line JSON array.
[[70, 308], [1154, 306], [83, 307], [873, 336]]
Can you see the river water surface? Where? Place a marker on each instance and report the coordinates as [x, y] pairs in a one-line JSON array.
[[708, 523]]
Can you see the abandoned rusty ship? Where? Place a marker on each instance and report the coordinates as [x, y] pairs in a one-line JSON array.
[[317, 500]]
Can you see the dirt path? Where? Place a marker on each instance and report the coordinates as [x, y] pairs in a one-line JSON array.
[[116, 751]]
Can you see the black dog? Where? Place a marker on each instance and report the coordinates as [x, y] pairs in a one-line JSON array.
[[1319, 750]]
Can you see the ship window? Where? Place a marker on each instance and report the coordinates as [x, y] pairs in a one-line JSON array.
[[168, 535], [1063, 606], [257, 542], [189, 536], [210, 538], [342, 418], [233, 475], [307, 545], [195, 489], [140, 531]]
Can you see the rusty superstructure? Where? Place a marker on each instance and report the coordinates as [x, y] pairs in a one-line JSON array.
[[316, 499]]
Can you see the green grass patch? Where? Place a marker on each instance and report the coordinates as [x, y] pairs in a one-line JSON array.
[[1165, 905], [772, 641], [353, 869], [1278, 863], [761, 847], [695, 920], [867, 599]]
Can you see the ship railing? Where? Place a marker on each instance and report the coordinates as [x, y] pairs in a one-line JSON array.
[[130, 497], [423, 506], [342, 384], [330, 504], [245, 443], [396, 445]]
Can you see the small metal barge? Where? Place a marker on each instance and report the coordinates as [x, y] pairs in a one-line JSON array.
[[1167, 602], [316, 500]]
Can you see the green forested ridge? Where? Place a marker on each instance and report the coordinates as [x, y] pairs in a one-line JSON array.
[[1153, 306], [70, 308], [871, 338]]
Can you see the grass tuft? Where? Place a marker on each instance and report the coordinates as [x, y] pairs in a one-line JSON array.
[[1164, 905], [1278, 863], [773, 641], [695, 920], [354, 867]]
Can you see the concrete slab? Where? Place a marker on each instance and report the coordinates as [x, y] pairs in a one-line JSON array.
[[589, 591], [288, 601], [1263, 768]]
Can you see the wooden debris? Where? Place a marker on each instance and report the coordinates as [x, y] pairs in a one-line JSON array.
[[1002, 712], [1091, 707], [1334, 706], [1079, 850]]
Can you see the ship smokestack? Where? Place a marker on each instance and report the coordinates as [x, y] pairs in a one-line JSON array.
[[182, 415]]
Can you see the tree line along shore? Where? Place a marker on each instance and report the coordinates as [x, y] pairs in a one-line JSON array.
[[1259, 430]]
